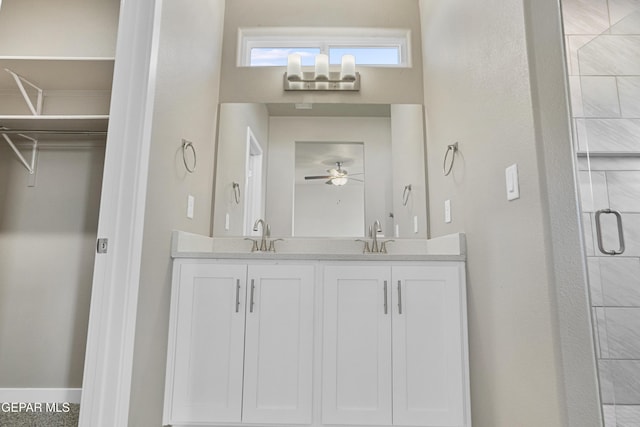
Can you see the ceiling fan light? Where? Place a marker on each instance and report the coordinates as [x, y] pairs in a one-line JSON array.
[[342, 180]]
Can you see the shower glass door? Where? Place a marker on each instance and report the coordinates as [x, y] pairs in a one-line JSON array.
[[607, 124]]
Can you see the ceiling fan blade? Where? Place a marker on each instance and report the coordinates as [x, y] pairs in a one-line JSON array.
[[329, 182], [356, 179], [352, 174], [318, 177]]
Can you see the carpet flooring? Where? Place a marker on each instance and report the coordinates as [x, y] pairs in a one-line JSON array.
[[41, 418]]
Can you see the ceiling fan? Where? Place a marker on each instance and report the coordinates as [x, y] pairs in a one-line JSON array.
[[337, 176]]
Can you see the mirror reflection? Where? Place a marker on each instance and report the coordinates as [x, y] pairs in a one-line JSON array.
[[320, 170], [328, 197]]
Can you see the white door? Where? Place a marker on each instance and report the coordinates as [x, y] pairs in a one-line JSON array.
[[209, 344], [427, 347], [279, 345], [356, 374]]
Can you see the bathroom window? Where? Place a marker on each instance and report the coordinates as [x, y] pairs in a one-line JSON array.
[[263, 47]]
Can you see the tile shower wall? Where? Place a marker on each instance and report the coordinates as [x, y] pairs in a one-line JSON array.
[[603, 48]]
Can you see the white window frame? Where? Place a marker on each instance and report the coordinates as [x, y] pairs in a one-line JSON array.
[[324, 39]]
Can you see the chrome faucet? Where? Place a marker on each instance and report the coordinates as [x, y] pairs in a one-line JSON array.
[[266, 232], [374, 235]]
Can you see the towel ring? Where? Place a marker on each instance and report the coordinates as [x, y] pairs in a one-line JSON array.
[[185, 146], [236, 192], [405, 194], [452, 148]]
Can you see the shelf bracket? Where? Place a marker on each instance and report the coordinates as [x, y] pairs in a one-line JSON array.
[[36, 109], [31, 166]]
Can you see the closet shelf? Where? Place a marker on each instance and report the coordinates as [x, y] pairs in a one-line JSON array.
[[91, 123], [51, 73]]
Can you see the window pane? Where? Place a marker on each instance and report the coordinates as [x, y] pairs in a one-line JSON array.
[[366, 55], [267, 56]]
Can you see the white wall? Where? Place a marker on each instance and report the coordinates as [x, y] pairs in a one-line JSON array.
[[408, 163], [494, 82], [232, 148], [47, 246], [283, 134], [264, 84], [328, 210], [186, 101], [71, 28]]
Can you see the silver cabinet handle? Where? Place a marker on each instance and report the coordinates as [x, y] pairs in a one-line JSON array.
[[620, 232], [386, 311], [399, 297], [237, 295], [253, 288]]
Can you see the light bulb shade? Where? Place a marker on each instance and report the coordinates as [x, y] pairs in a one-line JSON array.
[[294, 67], [340, 180], [348, 70], [322, 67]]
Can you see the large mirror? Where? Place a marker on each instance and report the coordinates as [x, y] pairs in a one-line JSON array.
[[320, 170]]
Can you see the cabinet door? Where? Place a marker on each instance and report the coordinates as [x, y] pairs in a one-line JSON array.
[[428, 382], [209, 344], [279, 345], [356, 374]]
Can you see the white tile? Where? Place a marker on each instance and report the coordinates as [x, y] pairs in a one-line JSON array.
[[587, 229], [600, 96], [575, 91], [605, 371], [629, 24], [624, 190], [629, 90], [609, 412], [585, 16], [607, 135], [610, 55], [593, 191], [620, 9], [595, 282], [574, 43], [627, 415], [582, 135], [626, 381], [620, 281], [600, 322], [622, 333]]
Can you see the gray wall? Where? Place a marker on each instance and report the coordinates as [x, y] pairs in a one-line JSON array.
[[485, 86], [47, 245], [186, 101], [264, 84]]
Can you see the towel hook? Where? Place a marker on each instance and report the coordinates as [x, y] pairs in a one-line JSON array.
[[185, 146], [405, 194], [451, 148], [236, 192]]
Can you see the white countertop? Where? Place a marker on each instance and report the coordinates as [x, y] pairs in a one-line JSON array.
[[451, 247]]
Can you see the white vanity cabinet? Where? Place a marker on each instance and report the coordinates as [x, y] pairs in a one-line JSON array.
[[240, 344], [394, 349]]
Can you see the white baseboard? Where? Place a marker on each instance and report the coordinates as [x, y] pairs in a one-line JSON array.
[[34, 395]]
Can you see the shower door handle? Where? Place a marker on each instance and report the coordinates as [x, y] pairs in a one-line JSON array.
[[620, 250]]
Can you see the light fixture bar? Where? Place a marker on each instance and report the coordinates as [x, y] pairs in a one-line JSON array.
[[307, 81]]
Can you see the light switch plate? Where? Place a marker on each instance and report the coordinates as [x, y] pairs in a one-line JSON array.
[[447, 211], [191, 201], [415, 224], [513, 184], [226, 222]]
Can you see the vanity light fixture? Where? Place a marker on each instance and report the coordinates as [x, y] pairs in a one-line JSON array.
[[322, 78]]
